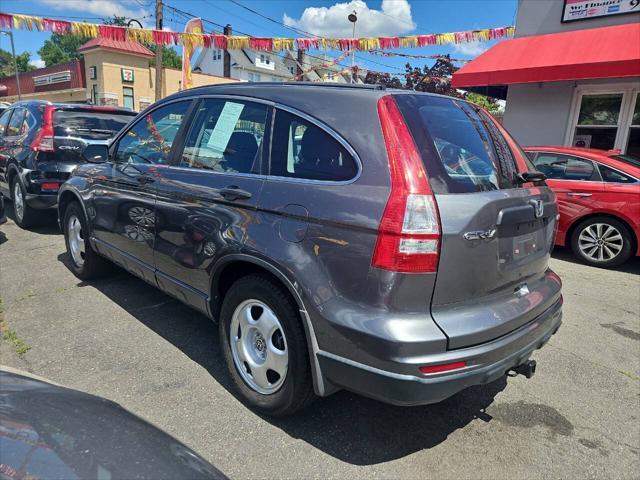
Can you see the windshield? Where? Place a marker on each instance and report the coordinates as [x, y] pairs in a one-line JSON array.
[[630, 159], [89, 124], [461, 146]]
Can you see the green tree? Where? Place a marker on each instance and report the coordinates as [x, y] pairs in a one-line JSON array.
[[488, 103], [61, 48], [6, 63], [64, 48]]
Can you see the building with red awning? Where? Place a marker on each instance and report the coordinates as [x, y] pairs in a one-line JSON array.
[[570, 77]]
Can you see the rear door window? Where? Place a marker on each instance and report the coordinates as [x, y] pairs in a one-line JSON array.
[[303, 150], [15, 124], [89, 124], [614, 176], [566, 167], [461, 146], [227, 137], [4, 120]]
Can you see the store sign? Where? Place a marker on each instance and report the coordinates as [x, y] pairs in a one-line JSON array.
[[585, 9], [127, 74]]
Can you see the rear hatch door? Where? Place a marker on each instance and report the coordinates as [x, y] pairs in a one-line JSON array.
[[497, 234], [76, 127]]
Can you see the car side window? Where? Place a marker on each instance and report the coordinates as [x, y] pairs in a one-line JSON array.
[[614, 176], [28, 123], [565, 167], [303, 150], [151, 138], [15, 124], [4, 120], [226, 136]]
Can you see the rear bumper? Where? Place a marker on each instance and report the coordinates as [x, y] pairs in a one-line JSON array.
[[485, 363], [42, 201]]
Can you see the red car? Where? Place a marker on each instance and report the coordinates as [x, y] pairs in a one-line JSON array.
[[599, 200]]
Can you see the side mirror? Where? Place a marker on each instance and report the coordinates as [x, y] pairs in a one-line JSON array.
[[96, 153], [532, 177]]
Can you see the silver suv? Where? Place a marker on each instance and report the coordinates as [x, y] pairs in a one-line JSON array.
[[391, 243]]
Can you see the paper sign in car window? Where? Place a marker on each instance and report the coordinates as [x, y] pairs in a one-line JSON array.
[[224, 126]]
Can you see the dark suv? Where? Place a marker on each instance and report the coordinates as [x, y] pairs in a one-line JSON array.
[[41, 143], [391, 243]]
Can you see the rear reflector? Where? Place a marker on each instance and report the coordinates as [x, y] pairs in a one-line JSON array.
[[445, 367], [409, 232], [49, 186]]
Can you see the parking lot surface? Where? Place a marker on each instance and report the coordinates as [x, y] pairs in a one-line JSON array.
[[124, 340]]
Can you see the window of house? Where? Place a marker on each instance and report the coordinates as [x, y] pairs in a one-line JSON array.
[[93, 73], [565, 167], [227, 137], [254, 77], [4, 120], [150, 139], [633, 141], [330, 76], [598, 120], [127, 97], [292, 70], [303, 150], [15, 124]]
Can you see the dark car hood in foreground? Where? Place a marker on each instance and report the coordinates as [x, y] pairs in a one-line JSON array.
[[49, 432]]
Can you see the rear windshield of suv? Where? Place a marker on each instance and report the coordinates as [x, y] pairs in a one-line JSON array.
[[461, 147], [89, 124]]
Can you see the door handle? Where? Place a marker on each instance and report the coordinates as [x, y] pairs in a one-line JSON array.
[[144, 179], [234, 192], [578, 194]]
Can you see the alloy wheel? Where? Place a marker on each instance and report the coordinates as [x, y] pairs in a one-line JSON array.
[[258, 346], [600, 242], [18, 201], [76, 240]]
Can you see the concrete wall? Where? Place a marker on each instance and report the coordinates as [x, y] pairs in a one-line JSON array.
[[536, 17], [537, 114]]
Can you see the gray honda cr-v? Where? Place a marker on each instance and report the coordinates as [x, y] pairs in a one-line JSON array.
[[391, 243]]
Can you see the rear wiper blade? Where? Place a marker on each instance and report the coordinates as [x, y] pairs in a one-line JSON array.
[[97, 130]]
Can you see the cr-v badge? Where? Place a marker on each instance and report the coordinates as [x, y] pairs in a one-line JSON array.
[[480, 234]]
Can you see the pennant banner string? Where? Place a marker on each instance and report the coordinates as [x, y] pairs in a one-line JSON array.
[[190, 40]]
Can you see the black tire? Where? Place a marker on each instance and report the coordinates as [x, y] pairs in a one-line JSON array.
[[30, 217], [297, 390], [94, 265], [622, 256]]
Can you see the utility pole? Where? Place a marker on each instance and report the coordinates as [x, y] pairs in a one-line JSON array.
[[227, 58], [299, 65], [158, 52], [15, 61], [353, 18]]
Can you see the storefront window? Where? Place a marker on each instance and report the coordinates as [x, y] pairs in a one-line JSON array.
[[633, 144], [597, 125], [127, 96]]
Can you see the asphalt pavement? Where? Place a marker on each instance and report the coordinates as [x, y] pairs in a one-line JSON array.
[[123, 339]]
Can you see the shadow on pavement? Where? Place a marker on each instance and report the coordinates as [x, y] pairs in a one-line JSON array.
[[348, 427], [565, 254], [47, 222]]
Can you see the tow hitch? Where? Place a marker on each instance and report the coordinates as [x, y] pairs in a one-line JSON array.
[[528, 369]]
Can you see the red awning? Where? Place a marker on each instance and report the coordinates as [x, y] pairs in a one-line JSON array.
[[609, 52]]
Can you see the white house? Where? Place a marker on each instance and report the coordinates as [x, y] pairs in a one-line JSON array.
[[256, 66]]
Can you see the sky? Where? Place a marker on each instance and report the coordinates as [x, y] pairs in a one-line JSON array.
[[319, 17]]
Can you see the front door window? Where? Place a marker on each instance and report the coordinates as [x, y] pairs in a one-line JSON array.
[[598, 121]]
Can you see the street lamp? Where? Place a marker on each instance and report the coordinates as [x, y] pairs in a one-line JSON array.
[[134, 20], [353, 18], [15, 61]]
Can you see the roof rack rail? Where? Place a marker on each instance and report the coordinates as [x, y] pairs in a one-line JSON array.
[[300, 84]]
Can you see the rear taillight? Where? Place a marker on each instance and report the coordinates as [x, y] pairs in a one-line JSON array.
[[409, 232], [49, 186], [44, 138]]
